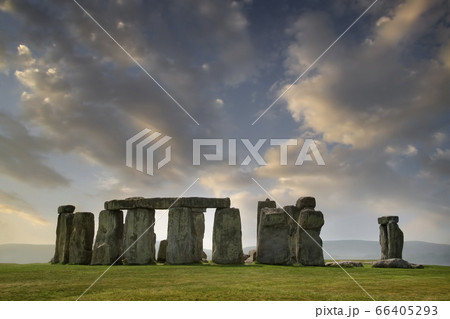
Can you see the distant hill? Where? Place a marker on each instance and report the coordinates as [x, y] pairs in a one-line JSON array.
[[26, 253], [414, 251]]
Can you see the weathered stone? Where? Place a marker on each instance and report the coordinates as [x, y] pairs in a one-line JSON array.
[[63, 232], [66, 209], [394, 263], [274, 237], [293, 215], [204, 256], [391, 237], [384, 242], [294, 212], [168, 202], [386, 219], [198, 218], [227, 237], [263, 204], [162, 250], [395, 240], [251, 257], [181, 246], [310, 251], [80, 247], [345, 264], [306, 202], [109, 239], [139, 237], [309, 243], [311, 219]]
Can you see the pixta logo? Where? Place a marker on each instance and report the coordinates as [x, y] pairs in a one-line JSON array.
[[144, 145], [309, 146]]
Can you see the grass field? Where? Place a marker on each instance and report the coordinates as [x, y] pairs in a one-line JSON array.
[[215, 282]]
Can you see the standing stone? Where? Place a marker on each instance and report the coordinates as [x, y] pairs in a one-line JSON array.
[[198, 218], [139, 237], [294, 213], [391, 237], [274, 237], [63, 232], [181, 239], [80, 247], [384, 242], [227, 237], [162, 251], [262, 204], [309, 243], [395, 239], [109, 239]]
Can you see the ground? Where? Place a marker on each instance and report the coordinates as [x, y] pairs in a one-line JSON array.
[[216, 282]]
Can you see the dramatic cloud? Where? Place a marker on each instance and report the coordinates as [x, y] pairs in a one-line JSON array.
[[376, 105]]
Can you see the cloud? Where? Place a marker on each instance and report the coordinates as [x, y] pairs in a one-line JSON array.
[[12, 204], [23, 155], [378, 107], [82, 94], [359, 88]]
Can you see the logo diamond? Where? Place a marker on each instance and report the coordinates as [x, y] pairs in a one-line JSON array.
[[145, 141]]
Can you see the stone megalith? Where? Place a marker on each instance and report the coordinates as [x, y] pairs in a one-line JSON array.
[[139, 224], [391, 237], [181, 239], [227, 237], [63, 232], [81, 239], [262, 204], [162, 251], [109, 239], [309, 243], [274, 237], [306, 202], [294, 213], [198, 218]]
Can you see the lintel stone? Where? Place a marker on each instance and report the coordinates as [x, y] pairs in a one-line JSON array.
[[166, 202], [386, 219]]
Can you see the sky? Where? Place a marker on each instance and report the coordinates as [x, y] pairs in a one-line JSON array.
[[376, 103]]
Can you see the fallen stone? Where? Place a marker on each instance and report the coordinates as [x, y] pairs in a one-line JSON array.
[[227, 237], [306, 202], [81, 239], [168, 202], [274, 237], [139, 224], [66, 209], [162, 251], [181, 246], [251, 257], [63, 233], [395, 263], [345, 264], [109, 239], [204, 257]]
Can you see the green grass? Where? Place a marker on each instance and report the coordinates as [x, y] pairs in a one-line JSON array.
[[215, 282]]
